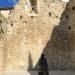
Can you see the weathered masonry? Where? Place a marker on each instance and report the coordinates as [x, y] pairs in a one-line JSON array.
[[34, 27]]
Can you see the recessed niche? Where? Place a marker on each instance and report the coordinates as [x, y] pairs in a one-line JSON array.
[[33, 5]]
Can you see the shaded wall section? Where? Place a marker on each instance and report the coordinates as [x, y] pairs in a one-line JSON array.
[[57, 50]]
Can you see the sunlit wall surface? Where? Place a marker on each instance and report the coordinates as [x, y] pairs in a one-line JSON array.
[[65, 0], [8, 3]]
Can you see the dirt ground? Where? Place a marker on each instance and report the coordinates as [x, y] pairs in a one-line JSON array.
[[36, 73]]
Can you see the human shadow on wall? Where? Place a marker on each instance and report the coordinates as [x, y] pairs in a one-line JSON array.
[[30, 63], [57, 49]]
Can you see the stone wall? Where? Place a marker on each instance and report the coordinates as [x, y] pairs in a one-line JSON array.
[[72, 31], [27, 35]]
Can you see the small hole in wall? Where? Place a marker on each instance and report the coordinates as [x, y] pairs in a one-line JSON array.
[[69, 27], [73, 8], [21, 17], [56, 16], [11, 24], [1, 30], [32, 17], [24, 21], [44, 1], [49, 14], [0, 21], [48, 5], [66, 16]]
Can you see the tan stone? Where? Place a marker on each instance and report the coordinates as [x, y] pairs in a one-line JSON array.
[[27, 36]]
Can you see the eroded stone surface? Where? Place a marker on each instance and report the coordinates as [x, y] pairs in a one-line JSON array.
[[26, 37]]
